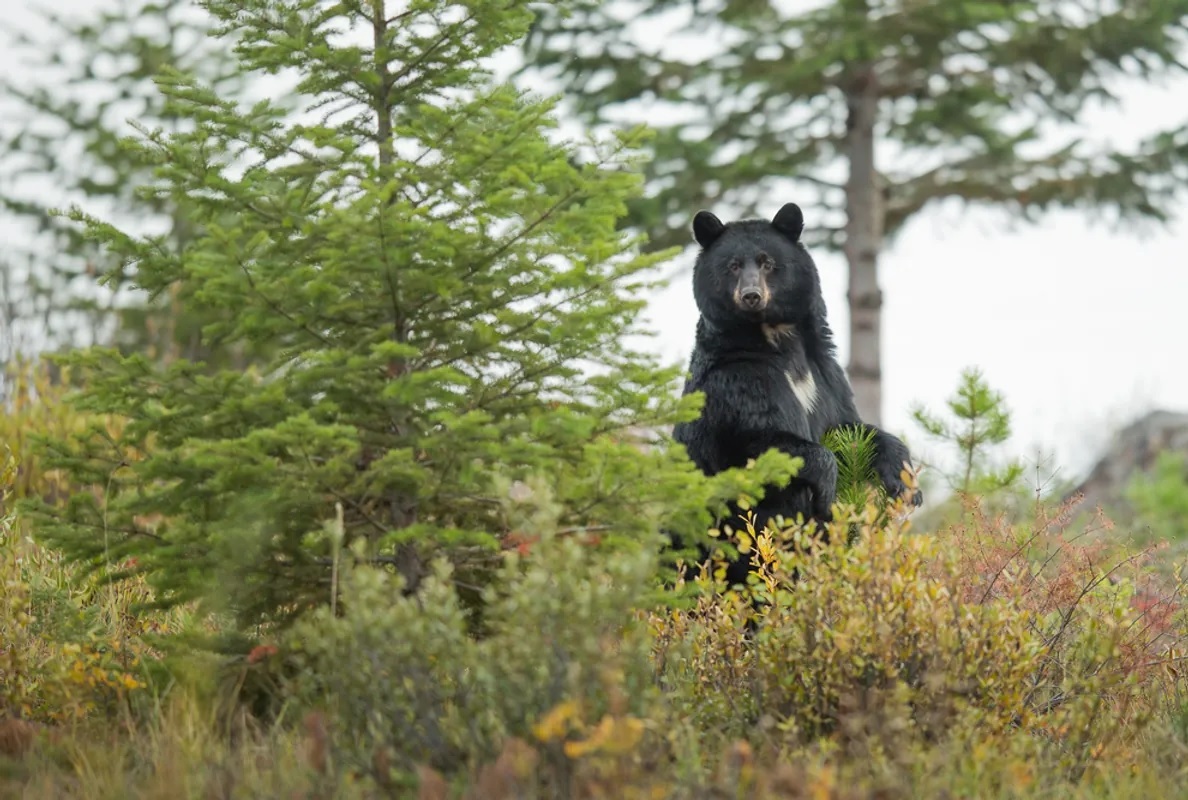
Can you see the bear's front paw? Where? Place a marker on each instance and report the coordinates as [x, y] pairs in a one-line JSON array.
[[820, 473], [798, 502], [890, 475]]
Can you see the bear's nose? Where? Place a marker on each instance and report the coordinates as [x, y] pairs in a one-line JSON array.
[[752, 298]]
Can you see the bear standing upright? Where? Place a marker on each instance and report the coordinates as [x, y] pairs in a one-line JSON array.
[[764, 357]]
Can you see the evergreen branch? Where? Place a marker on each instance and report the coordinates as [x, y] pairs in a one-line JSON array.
[[1061, 178], [819, 182], [276, 307], [506, 144], [532, 322]]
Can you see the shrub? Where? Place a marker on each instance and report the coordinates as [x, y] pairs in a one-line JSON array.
[[400, 674], [33, 409], [1160, 501], [69, 649], [982, 630]]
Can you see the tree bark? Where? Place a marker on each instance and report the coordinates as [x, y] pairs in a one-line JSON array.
[[864, 241]]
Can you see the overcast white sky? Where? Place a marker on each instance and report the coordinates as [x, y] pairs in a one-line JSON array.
[[1081, 327]]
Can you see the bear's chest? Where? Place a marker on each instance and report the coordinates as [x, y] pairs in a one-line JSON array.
[[770, 392], [803, 384], [797, 397]]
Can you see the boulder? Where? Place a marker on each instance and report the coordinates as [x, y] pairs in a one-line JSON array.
[[1133, 451]]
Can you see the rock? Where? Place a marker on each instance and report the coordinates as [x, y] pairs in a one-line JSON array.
[[1134, 450]]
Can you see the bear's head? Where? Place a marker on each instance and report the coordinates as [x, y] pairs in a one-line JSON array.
[[755, 272]]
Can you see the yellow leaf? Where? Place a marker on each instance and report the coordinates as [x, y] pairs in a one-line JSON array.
[[612, 736], [744, 542], [555, 723], [821, 787]]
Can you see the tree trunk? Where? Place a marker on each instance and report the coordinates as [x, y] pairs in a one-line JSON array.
[[864, 240]]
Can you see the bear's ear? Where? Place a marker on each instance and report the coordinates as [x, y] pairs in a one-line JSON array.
[[789, 221], [707, 228]]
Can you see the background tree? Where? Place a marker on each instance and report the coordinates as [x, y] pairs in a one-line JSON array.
[[450, 304], [61, 144], [879, 108]]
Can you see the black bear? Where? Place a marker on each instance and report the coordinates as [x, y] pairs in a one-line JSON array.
[[764, 357]]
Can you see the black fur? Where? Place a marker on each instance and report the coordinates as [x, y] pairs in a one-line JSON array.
[[763, 327]]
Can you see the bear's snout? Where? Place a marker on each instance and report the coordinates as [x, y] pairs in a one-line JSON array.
[[751, 292]]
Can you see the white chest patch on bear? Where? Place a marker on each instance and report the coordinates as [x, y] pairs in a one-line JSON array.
[[805, 389]]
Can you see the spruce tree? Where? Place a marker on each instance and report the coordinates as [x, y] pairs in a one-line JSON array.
[[978, 420], [874, 110], [451, 304]]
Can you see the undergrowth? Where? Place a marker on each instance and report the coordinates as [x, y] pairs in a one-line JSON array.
[[992, 657], [988, 659]]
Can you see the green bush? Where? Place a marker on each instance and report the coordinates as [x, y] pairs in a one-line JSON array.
[[71, 649], [33, 409], [402, 673], [1160, 500]]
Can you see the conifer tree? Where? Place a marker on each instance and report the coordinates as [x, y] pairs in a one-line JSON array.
[[875, 110], [978, 420], [450, 300]]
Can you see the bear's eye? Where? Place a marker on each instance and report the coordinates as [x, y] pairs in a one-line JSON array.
[[766, 266], [735, 265]]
